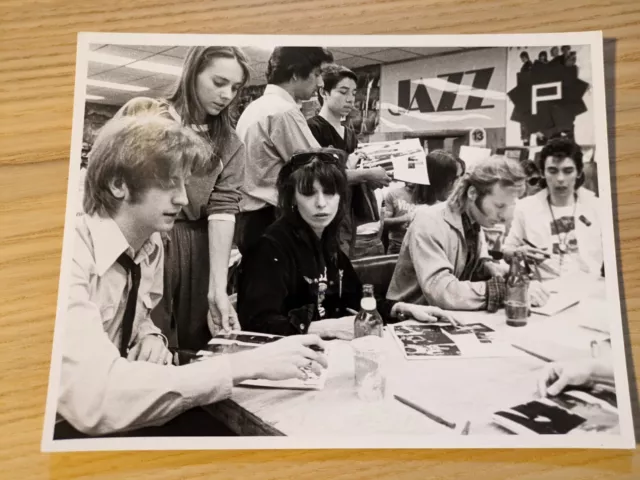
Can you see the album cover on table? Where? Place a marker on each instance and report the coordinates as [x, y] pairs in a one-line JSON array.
[[238, 341], [228, 105], [444, 340], [573, 412]]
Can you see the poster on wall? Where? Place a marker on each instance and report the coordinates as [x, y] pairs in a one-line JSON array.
[[457, 91], [549, 91], [365, 116], [405, 159]]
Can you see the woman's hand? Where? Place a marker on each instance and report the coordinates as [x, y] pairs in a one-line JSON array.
[[333, 328], [222, 315], [423, 313]]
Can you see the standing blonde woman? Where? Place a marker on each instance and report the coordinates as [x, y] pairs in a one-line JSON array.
[[195, 303]]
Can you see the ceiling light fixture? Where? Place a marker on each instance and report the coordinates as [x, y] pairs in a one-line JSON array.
[[88, 96], [116, 86], [110, 59], [135, 64], [156, 67]]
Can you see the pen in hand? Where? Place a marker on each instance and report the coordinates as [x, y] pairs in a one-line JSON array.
[[542, 252]]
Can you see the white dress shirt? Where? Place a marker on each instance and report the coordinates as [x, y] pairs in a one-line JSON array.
[[100, 391], [272, 128]]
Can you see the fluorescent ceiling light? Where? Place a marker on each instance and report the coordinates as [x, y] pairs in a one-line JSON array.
[[156, 67], [93, 97], [109, 59], [135, 64], [116, 86]]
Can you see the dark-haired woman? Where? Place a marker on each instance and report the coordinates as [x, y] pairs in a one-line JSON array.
[[195, 303], [297, 279]]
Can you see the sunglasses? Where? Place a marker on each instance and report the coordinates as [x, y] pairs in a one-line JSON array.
[[325, 155]]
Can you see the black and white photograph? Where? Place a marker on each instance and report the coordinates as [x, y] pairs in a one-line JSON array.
[[338, 242]]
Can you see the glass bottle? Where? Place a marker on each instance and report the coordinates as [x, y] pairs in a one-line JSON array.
[[368, 344], [516, 305], [368, 321]]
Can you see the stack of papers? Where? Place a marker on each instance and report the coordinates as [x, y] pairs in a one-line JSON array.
[[425, 341], [237, 341]]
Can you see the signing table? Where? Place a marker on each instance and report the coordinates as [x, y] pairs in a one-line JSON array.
[[456, 389]]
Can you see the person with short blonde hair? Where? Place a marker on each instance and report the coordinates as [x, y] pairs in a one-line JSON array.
[[116, 373], [444, 259], [139, 154]]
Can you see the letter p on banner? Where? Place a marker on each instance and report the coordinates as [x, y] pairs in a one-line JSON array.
[[545, 92]]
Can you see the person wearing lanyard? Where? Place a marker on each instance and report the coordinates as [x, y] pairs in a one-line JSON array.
[[559, 227]]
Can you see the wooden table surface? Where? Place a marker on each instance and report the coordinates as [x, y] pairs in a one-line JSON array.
[[37, 58]]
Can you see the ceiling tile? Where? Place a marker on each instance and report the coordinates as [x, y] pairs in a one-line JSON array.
[[165, 60], [391, 55], [121, 75], [149, 48], [258, 68], [178, 52], [425, 51], [258, 54], [155, 80], [355, 62], [359, 50], [94, 68], [338, 55], [259, 79], [122, 51]]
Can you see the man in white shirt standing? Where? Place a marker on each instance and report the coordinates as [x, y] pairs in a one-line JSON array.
[[559, 227], [117, 374], [273, 128]]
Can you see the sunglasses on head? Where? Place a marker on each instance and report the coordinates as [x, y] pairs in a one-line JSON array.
[[325, 155]]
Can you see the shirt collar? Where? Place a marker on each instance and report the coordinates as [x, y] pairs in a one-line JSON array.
[[272, 89], [109, 243], [176, 116], [468, 224]]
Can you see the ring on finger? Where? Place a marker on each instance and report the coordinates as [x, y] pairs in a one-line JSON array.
[[307, 365]]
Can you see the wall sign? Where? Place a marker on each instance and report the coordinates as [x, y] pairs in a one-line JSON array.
[[456, 91]]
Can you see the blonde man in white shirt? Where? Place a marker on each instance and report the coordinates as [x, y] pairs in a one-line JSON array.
[[116, 373]]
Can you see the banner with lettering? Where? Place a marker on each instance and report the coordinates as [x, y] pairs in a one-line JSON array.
[[455, 91], [549, 91]]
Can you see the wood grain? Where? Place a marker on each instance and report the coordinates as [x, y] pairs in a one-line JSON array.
[[37, 54]]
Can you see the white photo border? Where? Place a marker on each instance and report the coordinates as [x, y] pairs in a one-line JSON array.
[[625, 440]]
